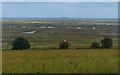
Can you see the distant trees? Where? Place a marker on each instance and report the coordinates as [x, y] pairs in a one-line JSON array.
[[95, 45], [20, 43], [106, 43], [64, 45]]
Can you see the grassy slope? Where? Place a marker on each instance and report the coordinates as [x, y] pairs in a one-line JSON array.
[[60, 61]]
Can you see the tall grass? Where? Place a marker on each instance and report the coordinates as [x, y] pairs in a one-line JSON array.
[[60, 61]]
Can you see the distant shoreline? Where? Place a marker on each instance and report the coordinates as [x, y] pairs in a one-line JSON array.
[[59, 18]]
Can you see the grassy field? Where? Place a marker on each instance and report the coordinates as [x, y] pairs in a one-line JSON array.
[[49, 33], [61, 61]]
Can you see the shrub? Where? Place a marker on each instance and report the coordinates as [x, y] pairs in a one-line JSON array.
[[106, 43], [20, 43], [95, 45], [64, 45]]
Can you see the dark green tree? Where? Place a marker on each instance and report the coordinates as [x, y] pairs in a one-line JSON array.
[[20, 43], [106, 43], [64, 45], [95, 45]]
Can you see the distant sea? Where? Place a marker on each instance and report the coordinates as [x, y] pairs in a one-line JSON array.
[[59, 19]]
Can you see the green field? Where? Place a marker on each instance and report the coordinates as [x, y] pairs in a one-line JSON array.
[[61, 61]]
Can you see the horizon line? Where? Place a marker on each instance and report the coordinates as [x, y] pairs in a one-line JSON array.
[[50, 17]]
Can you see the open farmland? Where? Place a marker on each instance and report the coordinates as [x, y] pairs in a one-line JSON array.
[[61, 61], [49, 33]]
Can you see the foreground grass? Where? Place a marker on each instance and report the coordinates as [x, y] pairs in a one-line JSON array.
[[60, 61]]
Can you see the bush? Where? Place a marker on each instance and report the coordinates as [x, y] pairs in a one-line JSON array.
[[95, 45], [106, 43], [20, 43], [64, 45]]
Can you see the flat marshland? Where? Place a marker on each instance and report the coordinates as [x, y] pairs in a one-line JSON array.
[[49, 33]]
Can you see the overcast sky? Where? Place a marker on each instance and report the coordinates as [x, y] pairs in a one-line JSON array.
[[60, 9]]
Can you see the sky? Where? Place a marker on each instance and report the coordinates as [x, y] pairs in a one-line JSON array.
[[60, 9], [60, 0]]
